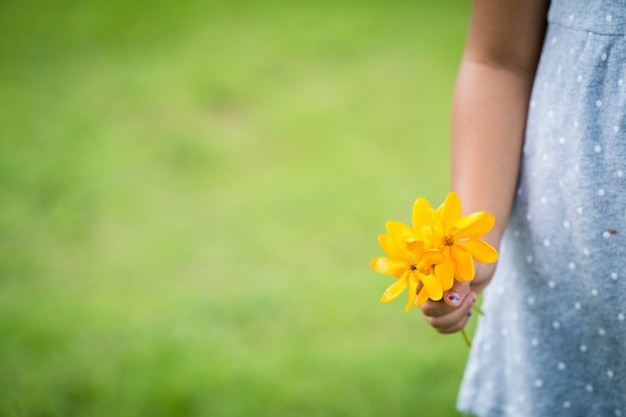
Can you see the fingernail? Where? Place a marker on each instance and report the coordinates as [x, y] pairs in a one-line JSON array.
[[453, 297], [473, 300], [469, 313]]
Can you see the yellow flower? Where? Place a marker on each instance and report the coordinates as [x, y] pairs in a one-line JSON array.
[[411, 262], [460, 237], [440, 247]]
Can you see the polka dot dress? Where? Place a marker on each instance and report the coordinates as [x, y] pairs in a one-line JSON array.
[[552, 341]]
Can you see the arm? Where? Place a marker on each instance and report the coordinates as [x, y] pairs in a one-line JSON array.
[[488, 120]]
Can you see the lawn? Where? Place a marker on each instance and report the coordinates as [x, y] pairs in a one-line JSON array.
[[191, 193]]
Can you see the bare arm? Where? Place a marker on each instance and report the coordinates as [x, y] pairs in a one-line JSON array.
[[490, 103], [488, 121]]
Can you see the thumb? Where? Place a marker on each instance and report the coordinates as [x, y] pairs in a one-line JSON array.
[[455, 295]]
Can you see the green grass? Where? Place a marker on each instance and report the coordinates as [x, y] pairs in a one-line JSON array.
[[191, 194]]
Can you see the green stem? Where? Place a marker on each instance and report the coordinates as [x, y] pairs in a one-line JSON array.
[[466, 337], [468, 341]]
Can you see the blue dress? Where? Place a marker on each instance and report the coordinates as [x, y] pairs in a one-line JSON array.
[[552, 341]]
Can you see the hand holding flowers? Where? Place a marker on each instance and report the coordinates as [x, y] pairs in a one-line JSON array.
[[438, 250]]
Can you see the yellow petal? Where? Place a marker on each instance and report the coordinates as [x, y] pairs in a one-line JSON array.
[[445, 272], [450, 210], [400, 232], [415, 247], [431, 257], [421, 213], [475, 224], [422, 296], [480, 250], [396, 288], [463, 263], [413, 281], [391, 247], [389, 266], [432, 286]]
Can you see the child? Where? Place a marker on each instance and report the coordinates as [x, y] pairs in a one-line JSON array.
[[539, 140]]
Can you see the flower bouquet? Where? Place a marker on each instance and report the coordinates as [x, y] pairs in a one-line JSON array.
[[440, 247]]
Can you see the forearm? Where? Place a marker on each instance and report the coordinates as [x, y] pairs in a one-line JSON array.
[[488, 121]]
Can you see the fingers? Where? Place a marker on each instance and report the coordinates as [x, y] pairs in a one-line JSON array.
[[447, 318], [455, 295]]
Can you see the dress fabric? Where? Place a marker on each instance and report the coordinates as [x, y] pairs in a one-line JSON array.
[[552, 341]]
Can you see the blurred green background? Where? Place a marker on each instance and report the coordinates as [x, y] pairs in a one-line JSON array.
[[191, 193]]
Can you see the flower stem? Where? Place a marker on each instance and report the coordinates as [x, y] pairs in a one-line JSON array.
[[466, 337], [468, 341]]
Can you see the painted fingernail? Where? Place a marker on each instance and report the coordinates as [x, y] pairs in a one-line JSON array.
[[453, 297], [469, 313]]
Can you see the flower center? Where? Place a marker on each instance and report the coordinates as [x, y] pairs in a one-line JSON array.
[[448, 240]]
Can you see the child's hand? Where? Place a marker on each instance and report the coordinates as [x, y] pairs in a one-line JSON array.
[[450, 314]]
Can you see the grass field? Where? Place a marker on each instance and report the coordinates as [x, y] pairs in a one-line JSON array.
[[191, 193]]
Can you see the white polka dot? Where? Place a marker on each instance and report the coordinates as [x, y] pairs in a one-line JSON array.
[[550, 114], [610, 373], [561, 140], [615, 129], [489, 386], [586, 251], [529, 259], [621, 317], [504, 331], [579, 78], [529, 216], [546, 242], [556, 324], [487, 347], [538, 383], [567, 404], [613, 276], [567, 224], [577, 306], [583, 348], [603, 57], [521, 398], [571, 17], [601, 332], [609, 17], [544, 200], [618, 413], [620, 173], [598, 148], [575, 124], [620, 82], [571, 265], [551, 284], [530, 300], [601, 192], [606, 234], [594, 292], [561, 366], [534, 342], [598, 103], [589, 388], [579, 210]]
